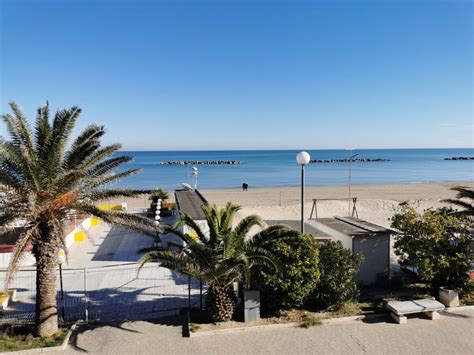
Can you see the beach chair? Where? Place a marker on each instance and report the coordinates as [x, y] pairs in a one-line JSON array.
[[427, 306]]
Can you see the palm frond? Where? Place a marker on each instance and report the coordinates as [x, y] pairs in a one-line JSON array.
[[94, 182], [99, 157], [43, 129], [84, 146], [128, 220], [114, 193], [246, 224], [464, 199], [20, 246], [19, 128], [190, 223]]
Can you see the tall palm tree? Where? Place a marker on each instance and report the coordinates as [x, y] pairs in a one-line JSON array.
[[42, 179], [464, 199], [221, 256]]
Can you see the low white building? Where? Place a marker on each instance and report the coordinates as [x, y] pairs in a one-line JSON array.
[[359, 236]]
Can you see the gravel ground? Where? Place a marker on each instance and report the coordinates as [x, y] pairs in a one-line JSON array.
[[452, 334]]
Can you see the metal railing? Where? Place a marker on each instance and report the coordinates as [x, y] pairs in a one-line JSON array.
[[107, 294]]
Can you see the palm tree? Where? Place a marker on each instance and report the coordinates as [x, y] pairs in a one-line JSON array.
[[42, 179], [464, 199], [221, 256]]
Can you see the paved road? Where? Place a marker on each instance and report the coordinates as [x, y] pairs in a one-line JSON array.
[[452, 334]]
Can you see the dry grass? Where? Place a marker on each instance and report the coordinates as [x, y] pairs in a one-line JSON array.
[[15, 342]]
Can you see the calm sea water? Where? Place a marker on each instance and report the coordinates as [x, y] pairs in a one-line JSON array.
[[278, 168]]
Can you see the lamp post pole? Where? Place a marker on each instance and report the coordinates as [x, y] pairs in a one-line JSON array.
[[61, 259], [302, 199], [302, 158], [195, 173]]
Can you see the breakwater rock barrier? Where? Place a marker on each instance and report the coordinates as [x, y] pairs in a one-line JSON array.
[[356, 160], [206, 162], [459, 158]]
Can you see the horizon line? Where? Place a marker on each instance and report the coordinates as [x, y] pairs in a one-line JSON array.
[[276, 149]]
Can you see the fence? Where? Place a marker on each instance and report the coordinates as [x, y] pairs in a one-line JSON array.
[[107, 294]]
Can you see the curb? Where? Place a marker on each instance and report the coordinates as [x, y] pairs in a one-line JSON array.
[[282, 325], [459, 308], [61, 347], [241, 329]]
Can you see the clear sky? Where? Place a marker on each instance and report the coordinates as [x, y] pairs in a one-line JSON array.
[[177, 75]]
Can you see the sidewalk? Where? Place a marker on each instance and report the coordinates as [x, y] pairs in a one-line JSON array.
[[452, 334]]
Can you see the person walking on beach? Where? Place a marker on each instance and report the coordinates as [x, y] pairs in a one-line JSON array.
[[245, 186]]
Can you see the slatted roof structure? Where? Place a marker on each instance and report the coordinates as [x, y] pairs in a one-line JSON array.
[[353, 226], [190, 202]]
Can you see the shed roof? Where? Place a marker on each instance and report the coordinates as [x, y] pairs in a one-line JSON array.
[[295, 225], [353, 226], [190, 202]]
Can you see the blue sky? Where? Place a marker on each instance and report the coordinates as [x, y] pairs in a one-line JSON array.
[[177, 75]]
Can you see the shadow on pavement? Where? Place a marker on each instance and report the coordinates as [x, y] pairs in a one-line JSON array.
[[175, 321], [455, 315]]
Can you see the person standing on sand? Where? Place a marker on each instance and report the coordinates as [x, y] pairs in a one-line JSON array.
[[245, 186]]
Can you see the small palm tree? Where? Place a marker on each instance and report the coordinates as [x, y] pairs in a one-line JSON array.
[[464, 199], [42, 181], [221, 256]]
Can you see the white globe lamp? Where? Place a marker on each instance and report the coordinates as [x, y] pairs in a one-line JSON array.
[[303, 158]]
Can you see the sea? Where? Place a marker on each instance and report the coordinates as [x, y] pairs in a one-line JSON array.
[[278, 168]]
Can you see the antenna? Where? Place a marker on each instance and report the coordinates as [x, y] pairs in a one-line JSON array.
[[350, 174]]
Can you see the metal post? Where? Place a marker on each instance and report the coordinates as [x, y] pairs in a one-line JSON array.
[[189, 293], [86, 302], [62, 291], [200, 293], [302, 199], [350, 176]]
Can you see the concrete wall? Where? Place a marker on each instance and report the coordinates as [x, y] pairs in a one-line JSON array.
[[375, 250], [345, 239], [29, 260]]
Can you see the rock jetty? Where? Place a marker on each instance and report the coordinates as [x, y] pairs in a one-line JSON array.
[[356, 160], [459, 158], [206, 162]]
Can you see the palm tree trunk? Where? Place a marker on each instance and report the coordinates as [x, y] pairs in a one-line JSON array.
[[220, 303], [46, 307]]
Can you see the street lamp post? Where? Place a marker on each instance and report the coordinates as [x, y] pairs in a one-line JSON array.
[[61, 259], [302, 158], [195, 173]]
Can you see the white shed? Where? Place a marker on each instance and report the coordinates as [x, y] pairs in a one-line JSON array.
[[371, 240]]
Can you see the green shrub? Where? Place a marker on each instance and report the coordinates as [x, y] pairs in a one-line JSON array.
[[437, 243], [154, 196], [292, 285], [337, 267], [157, 194]]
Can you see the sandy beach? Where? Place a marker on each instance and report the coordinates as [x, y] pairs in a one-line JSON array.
[[376, 203]]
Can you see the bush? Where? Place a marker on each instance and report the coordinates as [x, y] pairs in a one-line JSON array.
[[337, 267], [154, 196], [157, 194], [292, 285], [436, 243]]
